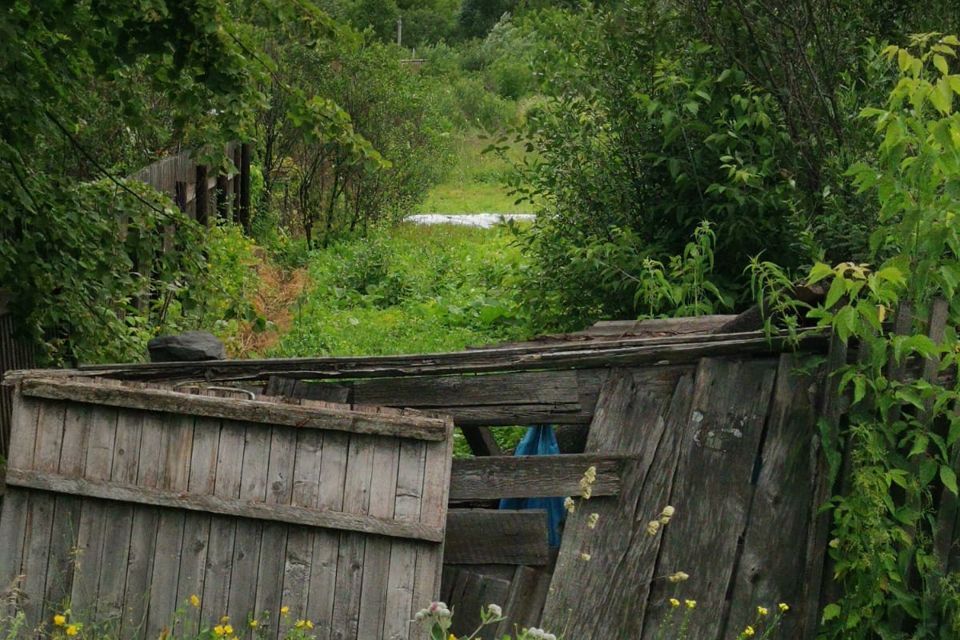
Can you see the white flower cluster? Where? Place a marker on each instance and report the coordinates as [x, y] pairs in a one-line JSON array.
[[494, 610], [535, 633], [437, 610]]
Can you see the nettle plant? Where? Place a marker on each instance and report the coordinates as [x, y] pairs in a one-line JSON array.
[[891, 535]]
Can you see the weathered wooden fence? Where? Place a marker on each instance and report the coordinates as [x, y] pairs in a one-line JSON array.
[[14, 354], [126, 499], [198, 191]]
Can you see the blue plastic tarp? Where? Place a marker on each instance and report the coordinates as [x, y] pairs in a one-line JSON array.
[[540, 440]]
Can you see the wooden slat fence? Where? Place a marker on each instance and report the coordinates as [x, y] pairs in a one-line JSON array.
[[14, 354], [125, 511], [198, 191]]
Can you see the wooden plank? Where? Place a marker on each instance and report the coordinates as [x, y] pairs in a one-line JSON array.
[[97, 467], [714, 489], [634, 416], [268, 412], [376, 560], [524, 603], [323, 570], [399, 607], [46, 458], [436, 493], [533, 476], [481, 442], [176, 454], [770, 569], [118, 518], [220, 548], [269, 588], [490, 536], [196, 523], [621, 353], [476, 590], [253, 487], [211, 504], [299, 553], [13, 516], [356, 499], [143, 530]]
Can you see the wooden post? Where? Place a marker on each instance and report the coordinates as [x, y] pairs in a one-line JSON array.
[[202, 197], [244, 208]]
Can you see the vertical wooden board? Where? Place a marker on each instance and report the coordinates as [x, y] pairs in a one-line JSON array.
[[323, 568], [119, 518], [356, 499], [66, 517], [480, 590], [299, 555], [771, 567], [143, 530], [175, 457], [196, 526], [524, 603], [13, 526], [635, 417], [433, 511], [399, 607], [220, 548], [274, 537], [376, 560], [23, 431], [713, 489], [97, 466], [46, 457], [13, 516], [246, 556]]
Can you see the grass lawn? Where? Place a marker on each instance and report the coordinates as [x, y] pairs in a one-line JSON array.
[[475, 185]]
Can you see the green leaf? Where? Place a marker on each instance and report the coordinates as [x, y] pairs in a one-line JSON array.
[[837, 289], [949, 478], [941, 63], [830, 612]]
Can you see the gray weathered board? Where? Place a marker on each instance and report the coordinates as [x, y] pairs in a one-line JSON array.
[[728, 445], [125, 512]]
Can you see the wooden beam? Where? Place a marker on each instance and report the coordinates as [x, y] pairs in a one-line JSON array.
[[109, 490], [481, 442], [533, 476], [490, 536], [621, 353], [269, 412]]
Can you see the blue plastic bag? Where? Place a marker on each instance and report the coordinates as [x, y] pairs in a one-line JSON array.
[[540, 440]]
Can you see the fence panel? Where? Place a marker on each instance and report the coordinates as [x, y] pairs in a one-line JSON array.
[[338, 514]]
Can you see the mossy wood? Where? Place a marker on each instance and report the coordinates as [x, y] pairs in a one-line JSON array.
[[125, 512]]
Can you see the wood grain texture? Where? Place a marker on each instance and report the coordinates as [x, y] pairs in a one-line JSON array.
[[632, 417], [770, 568], [533, 476], [268, 412], [493, 536], [619, 353]]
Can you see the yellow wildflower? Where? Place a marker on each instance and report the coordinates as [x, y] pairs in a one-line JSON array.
[[452, 637], [690, 603], [224, 619], [679, 576], [59, 619], [300, 624], [309, 624], [254, 623], [72, 630], [749, 632], [674, 603], [784, 607], [285, 610], [652, 527], [569, 505], [219, 630], [592, 520], [228, 630], [195, 601], [762, 611]]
